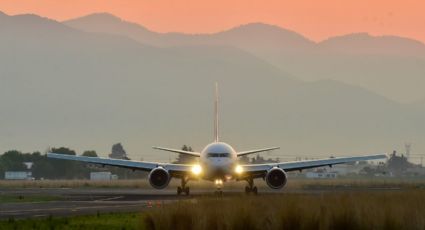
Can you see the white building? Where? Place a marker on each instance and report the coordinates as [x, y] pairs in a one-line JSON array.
[[321, 175], [102, 176], [18, 175]]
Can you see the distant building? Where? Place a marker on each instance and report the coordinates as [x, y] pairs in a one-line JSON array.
[[346, 169], [321, 175], [18, 175], [103, 176]]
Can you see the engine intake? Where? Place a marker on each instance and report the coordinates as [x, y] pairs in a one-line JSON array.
[[159, 178], [276, 178]]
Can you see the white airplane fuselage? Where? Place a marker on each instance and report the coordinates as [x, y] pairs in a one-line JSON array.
[[218, 161]]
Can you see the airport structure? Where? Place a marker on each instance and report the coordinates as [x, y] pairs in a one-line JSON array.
[[18, 175], [103, 176]]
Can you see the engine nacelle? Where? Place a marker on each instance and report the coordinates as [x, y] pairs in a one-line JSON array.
[[159, 178], [276, 178]]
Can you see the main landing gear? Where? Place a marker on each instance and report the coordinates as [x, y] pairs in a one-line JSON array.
[[251, 188], [183, 189]]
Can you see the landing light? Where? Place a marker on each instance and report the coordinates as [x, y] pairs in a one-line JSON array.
[[238, 169], [218, 182], [196, 169]]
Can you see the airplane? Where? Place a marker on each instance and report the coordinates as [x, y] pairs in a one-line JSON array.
[[218, 162]]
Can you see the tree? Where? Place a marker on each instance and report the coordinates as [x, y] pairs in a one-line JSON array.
[[118, 152], [90, 153], [63, 150], [12, 160], [184, 158], [65, 169], [398, 164]]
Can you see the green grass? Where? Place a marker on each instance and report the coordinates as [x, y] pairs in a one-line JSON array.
[[119, 221], [27, 198]]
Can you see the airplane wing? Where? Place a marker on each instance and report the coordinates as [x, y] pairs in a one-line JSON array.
[[194, 154], [255, 151], [258, 170], [174, 169]]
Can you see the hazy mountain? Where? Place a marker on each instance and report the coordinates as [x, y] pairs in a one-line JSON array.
[[255, 36], [388, 65], [108, 23], [62, 86], [364, 43]]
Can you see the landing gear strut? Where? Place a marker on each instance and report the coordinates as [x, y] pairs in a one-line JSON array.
[[218, 192], [251, 188], [183, 189]]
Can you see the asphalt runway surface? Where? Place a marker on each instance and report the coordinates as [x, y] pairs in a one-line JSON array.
[[87, 201], [84, 201]]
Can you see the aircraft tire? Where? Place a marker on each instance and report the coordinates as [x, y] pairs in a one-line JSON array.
[[255, 190], [247, 190]]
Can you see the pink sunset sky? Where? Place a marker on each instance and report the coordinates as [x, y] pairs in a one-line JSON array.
[[316, 19]]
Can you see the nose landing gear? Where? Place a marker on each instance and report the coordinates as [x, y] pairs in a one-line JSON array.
[[251, 188], [219, 185], [183, 189]]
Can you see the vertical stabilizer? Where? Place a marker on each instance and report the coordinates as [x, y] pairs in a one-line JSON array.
[[216, 122]]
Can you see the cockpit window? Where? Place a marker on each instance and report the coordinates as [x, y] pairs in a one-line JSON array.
[[218, 155]]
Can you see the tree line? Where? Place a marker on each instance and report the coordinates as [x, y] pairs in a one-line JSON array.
[[47, 168]]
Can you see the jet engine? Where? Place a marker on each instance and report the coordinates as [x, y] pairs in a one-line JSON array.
[[159, 178], [276, 178]]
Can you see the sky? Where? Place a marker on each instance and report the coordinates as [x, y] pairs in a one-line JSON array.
[[315, 19]]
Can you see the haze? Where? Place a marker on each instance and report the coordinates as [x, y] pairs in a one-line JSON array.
[[93, 81]]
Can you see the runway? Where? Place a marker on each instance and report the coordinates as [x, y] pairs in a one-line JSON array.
[[86, 201]]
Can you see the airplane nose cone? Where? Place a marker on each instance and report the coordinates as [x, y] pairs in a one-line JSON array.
[[220, 168]]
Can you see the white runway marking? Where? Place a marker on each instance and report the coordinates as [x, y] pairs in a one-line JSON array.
[[110, 198]]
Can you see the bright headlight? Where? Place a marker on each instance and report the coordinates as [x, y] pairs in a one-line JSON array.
[[238, 169], [196, 169]]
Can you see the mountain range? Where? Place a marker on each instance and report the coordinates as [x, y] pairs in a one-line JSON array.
[[91, 82], [388, 65]]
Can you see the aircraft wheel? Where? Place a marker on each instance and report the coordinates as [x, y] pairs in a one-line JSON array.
[[255, 190], [179, 190], [187, 191], [247, 190], [218, 193]]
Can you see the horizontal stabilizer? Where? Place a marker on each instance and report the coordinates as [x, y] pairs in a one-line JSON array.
[[256, 151], [194, 154]]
